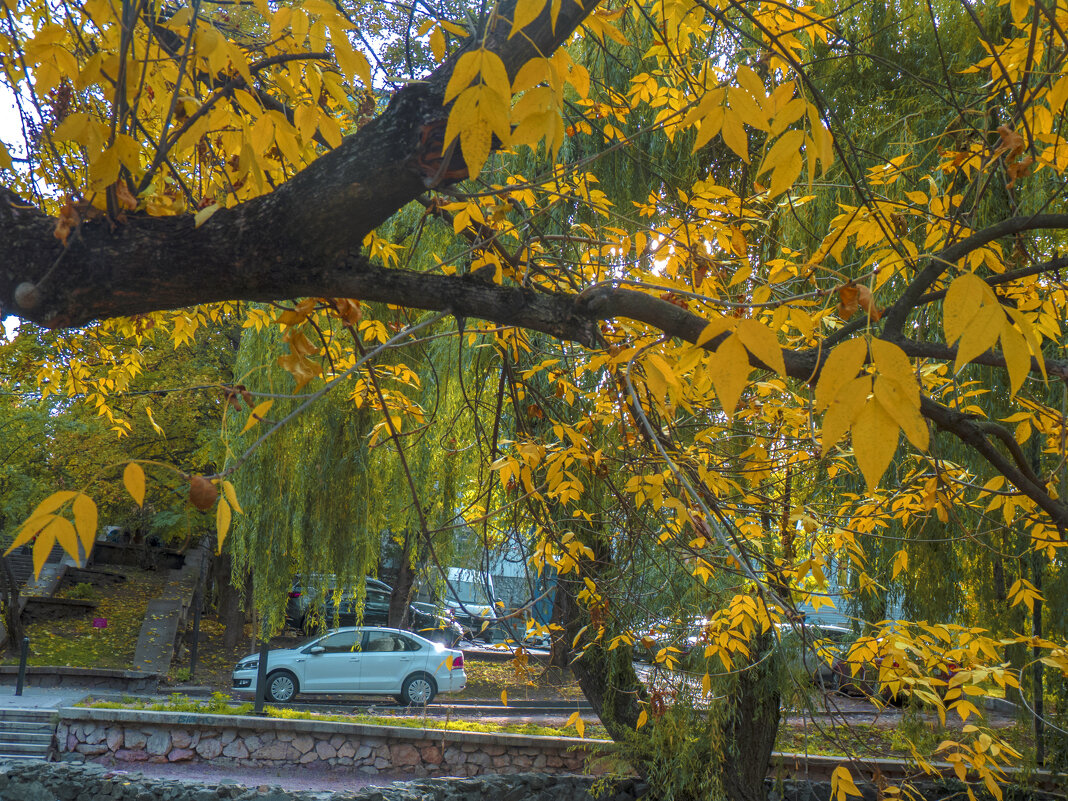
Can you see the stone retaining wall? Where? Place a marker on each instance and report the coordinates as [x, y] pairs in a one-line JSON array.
[[43, 782], [129, 736]]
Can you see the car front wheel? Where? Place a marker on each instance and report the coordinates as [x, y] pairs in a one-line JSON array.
[[417, 690], [282, 686]]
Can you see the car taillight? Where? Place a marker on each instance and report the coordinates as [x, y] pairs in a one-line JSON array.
[[457, 662], [294, 594]]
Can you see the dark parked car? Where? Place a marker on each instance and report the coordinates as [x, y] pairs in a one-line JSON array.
[[310, 616]]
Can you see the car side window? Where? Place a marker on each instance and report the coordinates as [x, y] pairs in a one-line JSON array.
[[406, 643], [342, 642], [380, 641]]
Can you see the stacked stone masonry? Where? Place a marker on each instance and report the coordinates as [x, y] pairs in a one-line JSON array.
[[255, 742]]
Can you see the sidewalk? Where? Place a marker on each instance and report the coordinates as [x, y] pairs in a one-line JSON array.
[[40, 697]]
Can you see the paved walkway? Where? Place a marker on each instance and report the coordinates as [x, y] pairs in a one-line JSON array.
[[40, 697]]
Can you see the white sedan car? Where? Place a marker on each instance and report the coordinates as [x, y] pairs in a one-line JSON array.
[[362, 660]]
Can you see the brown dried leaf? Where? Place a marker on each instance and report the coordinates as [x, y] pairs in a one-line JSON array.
[[202, 493], [66, 222], [847, 301], [1010, 141], [348, 310], [125, 196], [233, 395], [866, 302], [1018, 169]]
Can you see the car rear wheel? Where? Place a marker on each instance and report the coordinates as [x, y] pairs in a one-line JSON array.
[[417, 690], [282, 686]]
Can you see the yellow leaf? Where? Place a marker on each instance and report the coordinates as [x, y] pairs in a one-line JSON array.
[[1028, 332], [133, 477], [352, 62], [980, 335], [51, 503], [41, 549], [62, 530], [897, 403], [475, 141], [5, 158], [222, 520], [231, 496], [874, 441], [762, 343], [734, 135], [786, 146], [706, 684], [467, 67], [85, 520], [504, 697], [901, 562], [1017, 355], [257, 414], [716, 326], [844, 411], [729, 370], [785, 174], [76, 127], [744, 106], [841, 368], [965, 296], [30, 529], [842, 785], [526, 11], [437, 43], [643, 718], [894, 363], [204, 214]]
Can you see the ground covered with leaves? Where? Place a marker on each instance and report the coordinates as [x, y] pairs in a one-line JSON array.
[[75, 642]]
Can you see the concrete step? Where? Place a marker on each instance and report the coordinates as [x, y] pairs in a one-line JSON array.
[[28, 726], [26, 757], [27, 734], [27, 715], [30, 749], [31, 738]]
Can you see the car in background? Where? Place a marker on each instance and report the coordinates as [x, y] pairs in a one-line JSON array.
[[810, 651], [344, 609], [359, 660], [672, 639]]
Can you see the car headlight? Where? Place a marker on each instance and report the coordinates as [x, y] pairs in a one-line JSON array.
[[248, 664]]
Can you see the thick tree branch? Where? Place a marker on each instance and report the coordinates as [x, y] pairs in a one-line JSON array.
[[973, 433], [894, 320], [296, 241]]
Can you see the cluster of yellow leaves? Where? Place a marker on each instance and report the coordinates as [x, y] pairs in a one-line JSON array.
[[46, 526], [481, 93], [974, 320], [726, 110], [874, 407]]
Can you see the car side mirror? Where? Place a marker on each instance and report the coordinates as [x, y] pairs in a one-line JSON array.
[[315, 650]]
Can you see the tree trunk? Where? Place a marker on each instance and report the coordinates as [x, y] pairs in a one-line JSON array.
[[402, 587], [231, 610], [559, 652], [751, 726], [9, 591]]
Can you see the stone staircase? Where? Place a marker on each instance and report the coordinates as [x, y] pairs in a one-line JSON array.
[[27, 734], [165, 617]]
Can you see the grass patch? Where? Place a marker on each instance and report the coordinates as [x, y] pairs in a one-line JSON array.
[[912, 732], [530, 682], [73, 642], [222, 704]]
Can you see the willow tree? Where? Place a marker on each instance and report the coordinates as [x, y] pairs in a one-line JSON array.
[[731, 373]]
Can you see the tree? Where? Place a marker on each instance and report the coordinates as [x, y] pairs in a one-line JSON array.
[[713, 311]]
